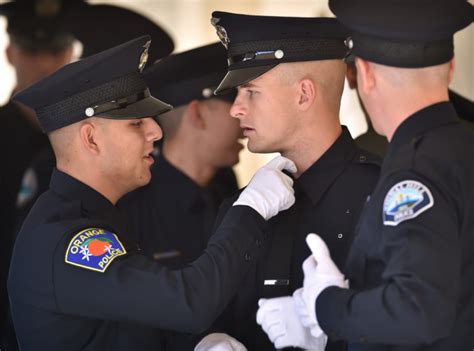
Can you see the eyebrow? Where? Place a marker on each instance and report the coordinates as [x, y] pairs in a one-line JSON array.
[[248, 85]]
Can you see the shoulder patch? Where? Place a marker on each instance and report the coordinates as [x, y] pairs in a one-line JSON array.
[[406, 200], [94, 249]]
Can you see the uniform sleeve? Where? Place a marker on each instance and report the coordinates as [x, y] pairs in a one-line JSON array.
[[135, 289], [415, 303]]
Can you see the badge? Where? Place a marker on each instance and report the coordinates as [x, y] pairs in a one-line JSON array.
[[406, 200], [221, 32], [144, 56], [94, 249]]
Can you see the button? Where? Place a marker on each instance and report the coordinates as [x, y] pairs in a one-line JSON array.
[[348, 211], [362, 158], [89, 112], [279, 54], [258, 243], [340, 236], [247, 257]]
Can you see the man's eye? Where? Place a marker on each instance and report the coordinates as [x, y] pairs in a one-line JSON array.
[[251, 93], [137, 122]]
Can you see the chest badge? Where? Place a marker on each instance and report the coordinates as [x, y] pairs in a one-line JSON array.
[[406, 200], [94, 249]]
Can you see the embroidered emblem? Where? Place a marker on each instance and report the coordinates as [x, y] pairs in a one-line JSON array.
[[94, 249], [406, 200]]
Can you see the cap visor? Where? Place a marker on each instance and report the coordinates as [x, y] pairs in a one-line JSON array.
[[147, 107], [240, 76]]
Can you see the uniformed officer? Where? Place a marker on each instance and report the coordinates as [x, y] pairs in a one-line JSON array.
[[76, 281], [175, 213], [290, 77], [410, 267]]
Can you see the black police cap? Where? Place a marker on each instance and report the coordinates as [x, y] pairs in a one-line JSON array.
[[403, 33], [256, 44], [104, 26], [190, 75], [41, 25], [109, 84]]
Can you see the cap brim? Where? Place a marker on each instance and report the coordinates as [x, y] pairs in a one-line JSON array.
[[240, 76], [147, 107]]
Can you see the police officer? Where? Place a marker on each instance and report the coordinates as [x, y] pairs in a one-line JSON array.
[[290, 77], [175, 213], [410, 267], [76, 281]]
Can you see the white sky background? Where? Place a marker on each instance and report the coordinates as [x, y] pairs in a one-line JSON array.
[[188, 22]]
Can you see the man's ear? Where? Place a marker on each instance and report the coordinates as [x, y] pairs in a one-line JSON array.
[[88, 135], [365, 75], [194, 115], [307, 93]]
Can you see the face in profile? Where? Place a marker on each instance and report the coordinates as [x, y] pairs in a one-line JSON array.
[[223, 134], [127, 150], [264, 109]]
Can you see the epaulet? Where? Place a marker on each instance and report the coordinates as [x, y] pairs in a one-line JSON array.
[[93, 248]]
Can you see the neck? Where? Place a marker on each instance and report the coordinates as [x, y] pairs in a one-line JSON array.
[[184, 157], [92, 179], [407, 102], [315, 140]]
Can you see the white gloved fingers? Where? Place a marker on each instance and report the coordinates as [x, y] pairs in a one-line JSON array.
[[276, 331], [267, 307], [309, 265], [280, 163], [219, 342], [316, 331], [322, 255]]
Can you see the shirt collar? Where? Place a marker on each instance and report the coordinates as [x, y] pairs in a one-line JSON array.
[[420, 122], [95, 205], [318, 178]]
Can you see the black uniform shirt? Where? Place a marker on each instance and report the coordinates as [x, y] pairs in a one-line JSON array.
[[172, 216], [329, 197], [411, 265], [60, 306]]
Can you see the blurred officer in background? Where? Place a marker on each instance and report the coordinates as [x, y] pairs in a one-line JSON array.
[[410, 267], [290, 77], [76, 281]]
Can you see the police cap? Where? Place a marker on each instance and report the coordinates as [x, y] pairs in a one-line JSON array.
[[256, 44], [41, 25], [190, 75], [403, 33], [109, 84], [104, 26]]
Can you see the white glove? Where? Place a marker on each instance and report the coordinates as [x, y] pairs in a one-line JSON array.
[[279, 320], [320, 272], [219, 342], [270, 190]]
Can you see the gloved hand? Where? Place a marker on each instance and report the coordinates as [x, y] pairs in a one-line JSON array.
[[219, 342], [279, 320], [270, 190], [320, 272]]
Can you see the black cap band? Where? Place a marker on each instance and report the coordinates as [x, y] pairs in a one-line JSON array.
[[264, 52], [52, 116], [401, 54]]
